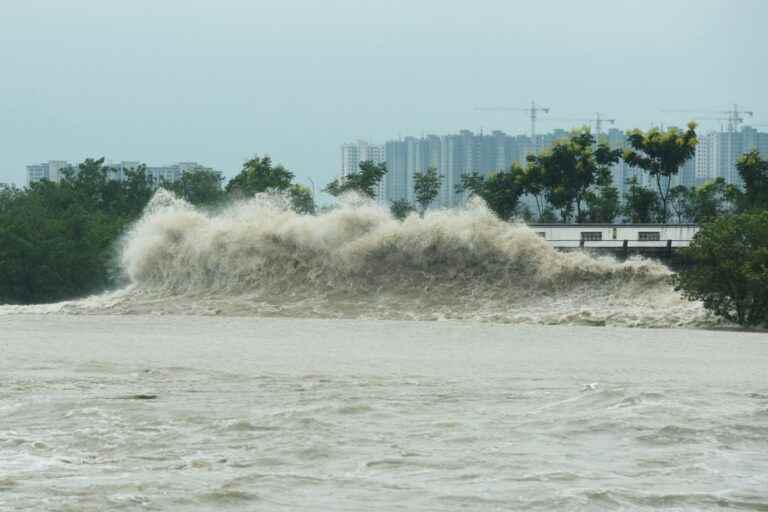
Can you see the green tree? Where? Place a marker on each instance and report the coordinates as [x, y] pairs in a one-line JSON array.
[[259, 175], [728, 268], [87, 184], [401, 208], [661, 153], [532, 180], [569, 171], [136, 190], [426, 185], [301, 199], [709, 201], [753, 171], [603, 205], [363, 182], [7, 195], [526, 214], [57, 239], [472, 183], [95, 186], [680, 203], [501, 191], [641, 205], [548, 216], [701, 204], [198, 186]]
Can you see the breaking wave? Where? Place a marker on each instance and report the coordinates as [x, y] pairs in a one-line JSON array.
[[258, 257]]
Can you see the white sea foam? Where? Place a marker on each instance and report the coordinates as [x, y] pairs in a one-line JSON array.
[[258, 257]]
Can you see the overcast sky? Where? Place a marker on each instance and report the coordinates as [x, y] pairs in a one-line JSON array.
[[218, 81]]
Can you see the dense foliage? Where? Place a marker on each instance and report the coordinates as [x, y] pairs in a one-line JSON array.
[[640, 204], [661, 153], [259, 175], [501, 191], [603, 204], [198, 187], [569, 173], [426, 186], [401, 208], [753, 172], [58, 239], [728, 268], [364, 181]]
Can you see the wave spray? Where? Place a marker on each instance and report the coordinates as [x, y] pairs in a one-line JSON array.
[[258, 257]]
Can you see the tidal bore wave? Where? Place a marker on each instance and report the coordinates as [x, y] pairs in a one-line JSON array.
[[259, 258]]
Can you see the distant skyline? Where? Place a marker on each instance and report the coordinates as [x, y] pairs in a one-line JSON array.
[[217, 82]]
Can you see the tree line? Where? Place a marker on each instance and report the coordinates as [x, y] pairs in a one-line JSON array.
[[57, 239], [572, 182]]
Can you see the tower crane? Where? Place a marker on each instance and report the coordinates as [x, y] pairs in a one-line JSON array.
[[533, 111], [729, 119], [734, 116], [598, 120]]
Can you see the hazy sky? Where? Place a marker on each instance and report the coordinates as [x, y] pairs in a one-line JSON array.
[[218, 81]]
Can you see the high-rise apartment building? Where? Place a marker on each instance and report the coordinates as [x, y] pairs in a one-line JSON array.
[[354, 153], [171, 173], [704, 171], [50, 170], [753, 139], [621, 171], [718, 152], [453, 156], [467, 152]]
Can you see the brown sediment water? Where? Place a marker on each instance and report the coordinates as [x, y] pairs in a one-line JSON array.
[[316, 414]]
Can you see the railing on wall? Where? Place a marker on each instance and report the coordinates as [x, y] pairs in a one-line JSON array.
[[622, 246], [619, 238]]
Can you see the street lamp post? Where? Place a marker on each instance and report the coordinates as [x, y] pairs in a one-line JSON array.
[[313, 187]]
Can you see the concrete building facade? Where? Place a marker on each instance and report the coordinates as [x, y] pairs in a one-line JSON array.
[[468, 152], [453, 156], [718, 152], [53, 170], [354, 153], [50, 170]]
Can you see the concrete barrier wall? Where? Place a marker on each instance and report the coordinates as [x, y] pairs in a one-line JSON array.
[[615, 235]]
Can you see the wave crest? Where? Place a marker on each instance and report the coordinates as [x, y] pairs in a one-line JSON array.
[[260, 257]]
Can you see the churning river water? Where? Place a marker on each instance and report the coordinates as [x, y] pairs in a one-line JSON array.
[[179, 413]]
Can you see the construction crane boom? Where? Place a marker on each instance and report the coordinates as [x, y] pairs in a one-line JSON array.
[[598, 120], [735, 115], [533, 112]]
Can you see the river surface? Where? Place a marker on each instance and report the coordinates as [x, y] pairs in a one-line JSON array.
[[207, 414]]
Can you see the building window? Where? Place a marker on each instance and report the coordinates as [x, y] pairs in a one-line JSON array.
[[591, 236], [649, 236]]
